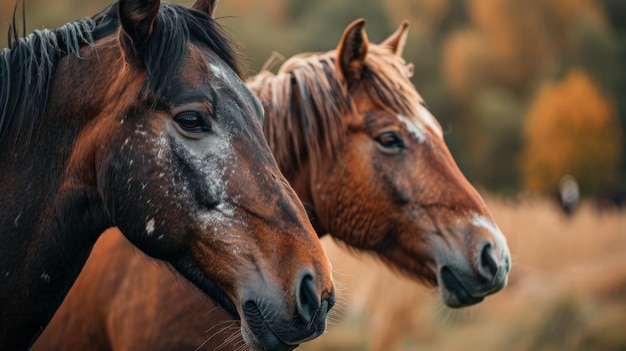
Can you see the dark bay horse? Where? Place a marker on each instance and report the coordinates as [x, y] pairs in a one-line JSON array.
[[352, 136], [137, 118]]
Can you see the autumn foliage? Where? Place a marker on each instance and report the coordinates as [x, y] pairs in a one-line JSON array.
[[571, 128]]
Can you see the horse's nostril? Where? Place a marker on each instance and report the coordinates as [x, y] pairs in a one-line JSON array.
[[307, 299], [487, 265]]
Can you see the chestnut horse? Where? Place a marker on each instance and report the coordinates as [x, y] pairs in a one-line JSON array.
[[369, 161], [137, 118]]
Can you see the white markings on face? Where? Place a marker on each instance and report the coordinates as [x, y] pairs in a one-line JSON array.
[[159, 146], [150, 226], [482, 221], [210, 159], [413, 128], [214, 161], [214, 166], [219, 72], [45, 277], [429, 120], [418, 127], [226, 209], [223, 215], [16, 221], [220, 221]]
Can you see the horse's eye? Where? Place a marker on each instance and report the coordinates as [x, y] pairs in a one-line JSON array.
[[390, 142], [191, 124]]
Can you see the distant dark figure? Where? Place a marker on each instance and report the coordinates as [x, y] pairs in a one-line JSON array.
[[569, 194]]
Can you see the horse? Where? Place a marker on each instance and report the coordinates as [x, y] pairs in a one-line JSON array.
[[353, 137], [138, 118]]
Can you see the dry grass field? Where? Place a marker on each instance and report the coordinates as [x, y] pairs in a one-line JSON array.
[[567, 291]]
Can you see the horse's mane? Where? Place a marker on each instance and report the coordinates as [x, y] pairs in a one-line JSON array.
[[306, 103], [27, 65]]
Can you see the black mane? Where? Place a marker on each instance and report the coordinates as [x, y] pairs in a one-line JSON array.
[[28, 64]]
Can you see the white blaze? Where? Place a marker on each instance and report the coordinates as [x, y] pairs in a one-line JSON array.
[[150, 226], [482, 221], [429, 120], [218, 72], [413, 128]]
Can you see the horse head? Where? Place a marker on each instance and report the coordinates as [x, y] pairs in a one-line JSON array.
[[158, 135], [371, 165]]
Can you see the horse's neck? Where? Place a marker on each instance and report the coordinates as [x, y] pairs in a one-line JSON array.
[[45, 241], [45, 237], [48, 223]]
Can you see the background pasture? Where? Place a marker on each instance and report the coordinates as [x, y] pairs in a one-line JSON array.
[[567, 291]]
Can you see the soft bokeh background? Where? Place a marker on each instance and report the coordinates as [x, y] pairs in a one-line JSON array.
[[527, 91]]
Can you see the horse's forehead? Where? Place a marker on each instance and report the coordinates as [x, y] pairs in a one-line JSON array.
[[205, 64], [426, 118], [414, 127], [205, 73], [221, 71], [226, 78], [419, 124]]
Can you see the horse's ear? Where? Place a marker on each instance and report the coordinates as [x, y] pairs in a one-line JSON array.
[[207, 6], [351, 52], [397, 40], [137, 20]]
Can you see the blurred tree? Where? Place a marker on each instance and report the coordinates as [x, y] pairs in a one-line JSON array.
[[466, 63], [498, 123], [274, 10], [288, 27], [571, 128], [511, 47], [616, 13], [424, 15], [261, 28], [319, 24]]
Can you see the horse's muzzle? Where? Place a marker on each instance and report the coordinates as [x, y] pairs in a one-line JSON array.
[[473, 266], [265, 327]]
